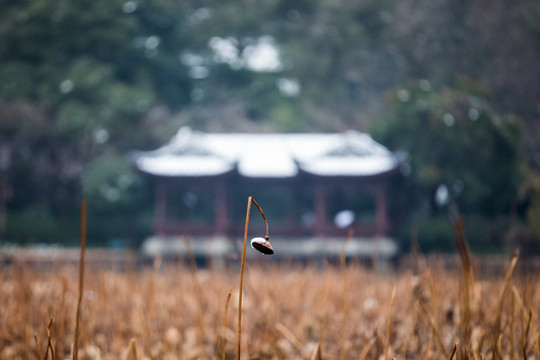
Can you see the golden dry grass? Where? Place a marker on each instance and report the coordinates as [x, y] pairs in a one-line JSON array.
[[289, 312]]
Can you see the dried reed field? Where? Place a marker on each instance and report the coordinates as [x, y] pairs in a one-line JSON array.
[[174, 311]]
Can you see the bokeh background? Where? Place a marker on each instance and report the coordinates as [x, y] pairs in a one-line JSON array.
[[453, 87]]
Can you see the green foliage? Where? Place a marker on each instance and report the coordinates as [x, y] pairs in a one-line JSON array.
[[434, 234], [452, 137], [525, 239], [76, 82], [119, 203], [16, 80], [80, 80], [530, 237], [533, 214], [37, 225], [110, 184]]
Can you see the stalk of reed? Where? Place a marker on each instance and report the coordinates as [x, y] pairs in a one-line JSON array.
[[343, 264], [132, 350], [317, 354], [224, 335], [433, 325], [531, 323], [293, 340], [81, 280], [455, 352], [497, 326], [388, 323], [38, 351], [468, 282], [196, 283]]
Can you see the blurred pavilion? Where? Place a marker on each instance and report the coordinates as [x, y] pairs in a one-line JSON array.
[[313, 188]]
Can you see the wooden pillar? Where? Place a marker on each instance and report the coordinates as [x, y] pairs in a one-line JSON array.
[[221, 217], [160, 207], [381, 221], [320, 209]]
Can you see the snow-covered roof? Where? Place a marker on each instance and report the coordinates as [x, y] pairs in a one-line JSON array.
[[194, 153]]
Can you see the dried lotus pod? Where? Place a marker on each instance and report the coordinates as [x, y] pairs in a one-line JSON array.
[[262, 245]]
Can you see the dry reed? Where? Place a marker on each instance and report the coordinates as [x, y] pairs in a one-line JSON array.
[[193, 266], [343, 264], [290, 311], [388, 323], [224, 336], [297, 297], [132, 350], [497, 327], [317, 353], [466, 288], [81, 281]]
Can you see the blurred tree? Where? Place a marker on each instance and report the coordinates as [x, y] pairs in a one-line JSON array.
[[331, 62], [493, 43], [116, 196], [336, 51], [78, 80], [458, 149]]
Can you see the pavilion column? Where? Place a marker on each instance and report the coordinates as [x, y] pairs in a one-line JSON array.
[[221, 219], [160, 206], [381, 220], [320, 209]]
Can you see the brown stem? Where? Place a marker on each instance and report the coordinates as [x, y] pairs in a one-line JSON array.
[[238, 346], [250, 200], [81, 279], [264, 217]]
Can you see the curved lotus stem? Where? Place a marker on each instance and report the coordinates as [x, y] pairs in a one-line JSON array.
[[267, 247], [264, 217]]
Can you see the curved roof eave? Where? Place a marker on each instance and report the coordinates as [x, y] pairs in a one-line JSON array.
[[350, 166], [175, 166]]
